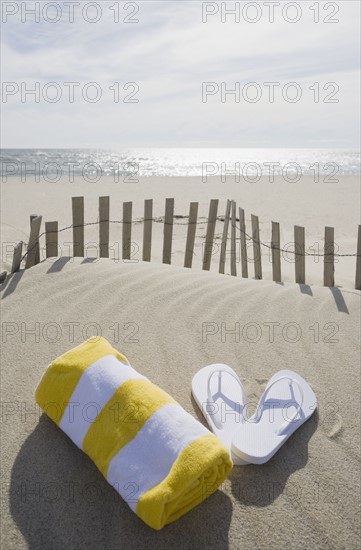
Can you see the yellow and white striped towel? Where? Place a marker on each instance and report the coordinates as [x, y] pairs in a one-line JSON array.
[[160, 459]]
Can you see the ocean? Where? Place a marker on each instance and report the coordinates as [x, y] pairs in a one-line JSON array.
[[52, 164]]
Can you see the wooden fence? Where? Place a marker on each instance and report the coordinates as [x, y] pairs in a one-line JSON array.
[[238, 231]]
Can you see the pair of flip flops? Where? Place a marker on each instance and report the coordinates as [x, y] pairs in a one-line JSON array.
[[287, 402]]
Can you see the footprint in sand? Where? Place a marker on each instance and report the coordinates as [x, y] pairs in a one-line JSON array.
[[334, 426]]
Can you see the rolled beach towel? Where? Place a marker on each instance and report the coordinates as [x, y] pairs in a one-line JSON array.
[[160, 459]]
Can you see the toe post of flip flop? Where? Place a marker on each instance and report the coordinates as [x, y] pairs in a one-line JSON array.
[[287, 402], [220, 395]]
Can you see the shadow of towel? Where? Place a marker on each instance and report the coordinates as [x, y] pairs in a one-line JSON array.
[[59, 499]]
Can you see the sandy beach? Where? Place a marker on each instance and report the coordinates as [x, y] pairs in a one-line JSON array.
[[168, 321], [182, 181], [171, 321], [305, 203]]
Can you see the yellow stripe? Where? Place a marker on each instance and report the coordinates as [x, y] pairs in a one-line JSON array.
[[62, 376], [195, 475], [121, 418]]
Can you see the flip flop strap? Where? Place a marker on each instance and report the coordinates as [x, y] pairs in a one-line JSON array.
[[296, 413], [215, 416]]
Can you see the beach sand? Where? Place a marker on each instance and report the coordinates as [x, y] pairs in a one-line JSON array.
[[168, 321], [171, 321], [306, 203]]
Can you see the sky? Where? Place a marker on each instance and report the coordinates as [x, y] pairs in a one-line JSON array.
[[160, 71]]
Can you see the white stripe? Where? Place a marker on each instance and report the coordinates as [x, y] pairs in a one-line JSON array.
[[96, 386], [148, 458]]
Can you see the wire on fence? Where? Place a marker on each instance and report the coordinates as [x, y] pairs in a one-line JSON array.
[[161, 220]]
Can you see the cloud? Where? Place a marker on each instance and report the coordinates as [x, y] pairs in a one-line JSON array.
[[169, 53]]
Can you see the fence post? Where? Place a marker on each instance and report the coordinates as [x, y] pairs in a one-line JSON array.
[[127, 229], [233, 241], [104, 221], [329, 258], [33, 242], [78, 226], [358, 261], [211, 226], [300, 264], [168, 231], [222, 257], [147, 230], [191, 234], [51, 239], [256, 247], [276, 252], [37, 247], [18, 253], [242, 227]]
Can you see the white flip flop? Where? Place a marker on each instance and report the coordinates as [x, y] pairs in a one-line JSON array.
[[220, 395], [287, 402]]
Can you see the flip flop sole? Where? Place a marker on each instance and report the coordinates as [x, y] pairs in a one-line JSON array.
[[257, 440], [228, 405]]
